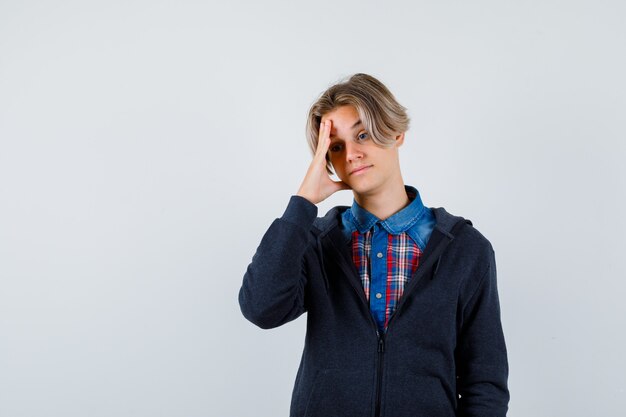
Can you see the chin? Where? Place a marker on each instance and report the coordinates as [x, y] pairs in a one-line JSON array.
[[363, 188]]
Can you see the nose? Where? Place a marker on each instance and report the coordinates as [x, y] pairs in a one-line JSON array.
[[353, 151]]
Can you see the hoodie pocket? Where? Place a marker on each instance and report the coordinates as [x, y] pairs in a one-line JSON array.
[[340, 393], [411, 395]]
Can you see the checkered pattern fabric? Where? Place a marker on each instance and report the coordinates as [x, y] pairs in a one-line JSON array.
[[403, 256], [361, 249]]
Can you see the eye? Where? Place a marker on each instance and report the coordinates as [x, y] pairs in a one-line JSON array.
[[335, 147], [362, 136]]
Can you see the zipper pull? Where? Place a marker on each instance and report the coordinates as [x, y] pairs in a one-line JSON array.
[[381, 345], [437, 266]]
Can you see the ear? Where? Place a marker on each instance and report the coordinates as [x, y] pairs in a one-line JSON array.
[[400, 139]]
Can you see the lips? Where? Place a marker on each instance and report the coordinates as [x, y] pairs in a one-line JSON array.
[[359, 169]]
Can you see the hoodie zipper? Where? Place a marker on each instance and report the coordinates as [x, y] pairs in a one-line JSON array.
[[379, 371], [380, 336]]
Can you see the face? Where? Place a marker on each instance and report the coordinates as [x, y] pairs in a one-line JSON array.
[[366, 167]]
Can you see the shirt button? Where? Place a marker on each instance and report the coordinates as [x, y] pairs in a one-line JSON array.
[[378, 295], [379, 254]]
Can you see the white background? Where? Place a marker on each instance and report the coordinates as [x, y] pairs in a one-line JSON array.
[[146, 146]]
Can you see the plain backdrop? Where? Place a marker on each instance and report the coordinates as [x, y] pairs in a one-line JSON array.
[[146, 146]]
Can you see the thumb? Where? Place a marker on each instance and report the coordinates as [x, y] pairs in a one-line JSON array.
[[342, 185]]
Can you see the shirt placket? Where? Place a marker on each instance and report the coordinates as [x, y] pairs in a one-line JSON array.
[[378, 283]]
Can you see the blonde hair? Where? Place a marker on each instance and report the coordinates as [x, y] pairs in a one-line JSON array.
[[381, 114]]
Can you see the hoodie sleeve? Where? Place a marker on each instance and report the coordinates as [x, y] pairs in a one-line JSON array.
[[482, 365], [272, 292]]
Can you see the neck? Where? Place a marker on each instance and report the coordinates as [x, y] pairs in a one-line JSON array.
[[384, 203]]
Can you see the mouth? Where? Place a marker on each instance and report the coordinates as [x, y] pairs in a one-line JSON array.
[[360, 169]]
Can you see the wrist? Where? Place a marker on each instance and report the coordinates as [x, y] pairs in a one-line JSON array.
[[300, 211], [304, 195]]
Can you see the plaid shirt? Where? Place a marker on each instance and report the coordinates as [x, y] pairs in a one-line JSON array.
[[397, 244]]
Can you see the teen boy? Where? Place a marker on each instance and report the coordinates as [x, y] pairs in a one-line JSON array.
[[403, 317]]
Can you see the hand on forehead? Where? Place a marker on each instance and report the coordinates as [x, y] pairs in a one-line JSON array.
[[344, 120]]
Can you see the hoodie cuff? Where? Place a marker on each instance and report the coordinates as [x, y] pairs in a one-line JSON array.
[[300, 211]]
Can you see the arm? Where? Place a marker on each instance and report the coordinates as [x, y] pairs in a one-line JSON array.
[[481, 357], [272, 292], [273, 286]]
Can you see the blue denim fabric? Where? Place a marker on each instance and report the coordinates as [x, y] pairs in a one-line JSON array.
[[415, 219]]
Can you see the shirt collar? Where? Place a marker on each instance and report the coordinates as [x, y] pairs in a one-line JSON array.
[[398, 222]]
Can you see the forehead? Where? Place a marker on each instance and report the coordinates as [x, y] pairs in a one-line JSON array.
[[344, 119]]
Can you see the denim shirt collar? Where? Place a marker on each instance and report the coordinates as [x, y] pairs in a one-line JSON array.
[[397, 223]]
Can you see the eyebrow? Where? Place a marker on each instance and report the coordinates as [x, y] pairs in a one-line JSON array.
[[358, 122]]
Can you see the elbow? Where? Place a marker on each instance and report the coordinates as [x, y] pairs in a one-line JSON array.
[[260, 314], [259, 318]]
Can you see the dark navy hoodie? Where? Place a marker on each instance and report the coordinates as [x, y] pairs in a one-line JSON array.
[[443, 353]]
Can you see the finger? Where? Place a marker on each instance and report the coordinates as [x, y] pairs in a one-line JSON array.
[[342, 185], [320, 137], [323, 141]]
